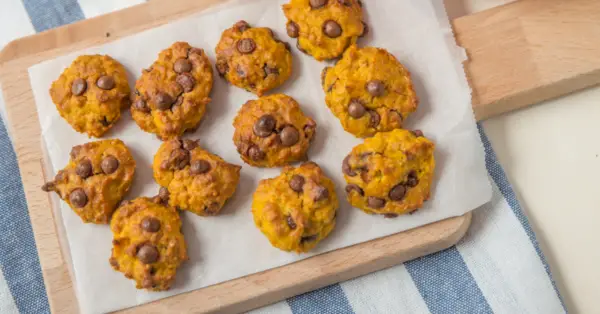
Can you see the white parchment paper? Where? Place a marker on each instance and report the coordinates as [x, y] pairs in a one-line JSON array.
[[230, 246]]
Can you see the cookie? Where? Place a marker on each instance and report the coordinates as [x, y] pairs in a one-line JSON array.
[[253, 58], [324, 28], [98, 176], [148, 245], [192, 178], [272, 131], [297, 209], [91, 93], [171, 96], [390, 174], [369, 91]]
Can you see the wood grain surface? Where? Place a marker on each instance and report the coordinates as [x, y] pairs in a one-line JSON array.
[[518, 56]]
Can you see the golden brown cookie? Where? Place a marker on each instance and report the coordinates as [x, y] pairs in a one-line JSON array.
[[171, 96], [297, 209], [324, 28], [96, 179], [148, 245], [272, 131], [253, 58], [369, 91], [390, 173], [91, 93], [194, 179]]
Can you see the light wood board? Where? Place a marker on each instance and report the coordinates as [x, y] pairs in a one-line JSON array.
[[519, 56]]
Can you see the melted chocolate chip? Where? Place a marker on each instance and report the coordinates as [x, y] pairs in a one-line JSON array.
[[297, 183], [150, 224], [179, 158], [78, 87], [147, 254]]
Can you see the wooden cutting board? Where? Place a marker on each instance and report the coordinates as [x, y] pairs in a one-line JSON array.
[[520, 54]]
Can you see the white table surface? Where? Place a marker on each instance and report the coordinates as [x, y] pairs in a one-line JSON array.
[[551, 155]]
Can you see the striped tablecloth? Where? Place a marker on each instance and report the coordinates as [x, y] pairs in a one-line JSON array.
[[497, 268]]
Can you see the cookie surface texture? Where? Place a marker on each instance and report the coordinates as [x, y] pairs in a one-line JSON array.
[[98, 176], [324, 28], [171, 96], [272, 131], [369, 91], [390, 173], [194, 179], [297, 209], [91, 93], [253, 58], [148, 245]]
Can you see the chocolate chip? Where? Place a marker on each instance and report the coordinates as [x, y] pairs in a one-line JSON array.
[[256, 154], [199, 167], [264, 126], [321, 193], [113, 261], [390, 216], [297, 183], [182, 66], [180, 158], [292, 29], [375, 119], [195, 51], [186, 81], [78, 87], [291, 223], [48, 186], [242, 26], [300, 48], [324, 74], [140, 105], [164, 194], [365, 30], [106, 82], [189, 145], [310, 238], [397, 193], [375, 87], [84, 169], [246, 45], [355, 109], [78, 198], [178, 102], [222, 66], [347, 3], [75, 151], [270, 71], [147, 283], [418, 133], [104, 121], [332, 29], [353, 187], [346, 168], [150, 224], [375, 202], [123, 203], [212, 209], [163, 101], [316, 4], [289, 136], [412, 179], [147, 254], [109, 164]]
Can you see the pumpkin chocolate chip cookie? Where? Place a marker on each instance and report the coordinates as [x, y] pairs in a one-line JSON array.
[[91, 93], [391, 173], [171, 96], [193, 179], [148, 245], [272, 131], [297, 209], [324, 28], [95, 180], [253, 58], [369, 91]]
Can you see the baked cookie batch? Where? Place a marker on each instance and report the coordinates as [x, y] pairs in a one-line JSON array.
[[367, 89]]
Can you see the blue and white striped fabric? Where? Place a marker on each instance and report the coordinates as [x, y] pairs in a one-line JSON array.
[[497, 268]]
